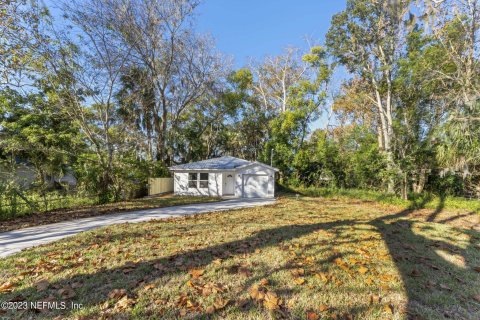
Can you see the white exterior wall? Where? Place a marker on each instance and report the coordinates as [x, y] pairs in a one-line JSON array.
[[215, 181], [180, 184], [255, 169]]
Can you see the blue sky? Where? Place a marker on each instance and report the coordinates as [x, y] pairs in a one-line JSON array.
[[245, 29], [255, 28]]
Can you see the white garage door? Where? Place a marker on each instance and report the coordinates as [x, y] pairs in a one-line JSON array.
[[255, 186]]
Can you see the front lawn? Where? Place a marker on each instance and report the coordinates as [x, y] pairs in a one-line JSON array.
[[58, 215], [312, 258]]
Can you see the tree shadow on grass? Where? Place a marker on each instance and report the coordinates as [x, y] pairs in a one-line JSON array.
[[438, 209], [97, 286], [438, 276]]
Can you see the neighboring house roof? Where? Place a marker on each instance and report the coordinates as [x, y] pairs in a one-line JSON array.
[[222, 163]]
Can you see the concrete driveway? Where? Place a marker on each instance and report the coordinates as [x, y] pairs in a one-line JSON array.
[[17, 240]]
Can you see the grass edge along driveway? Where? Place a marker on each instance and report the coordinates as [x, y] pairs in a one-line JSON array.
[[67, 214], [17, 240], [312, 258]]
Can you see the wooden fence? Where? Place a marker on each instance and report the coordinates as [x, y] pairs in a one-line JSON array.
[[159, 185]]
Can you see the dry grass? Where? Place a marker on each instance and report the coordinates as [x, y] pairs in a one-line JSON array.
[[311, 258], [58, 215]]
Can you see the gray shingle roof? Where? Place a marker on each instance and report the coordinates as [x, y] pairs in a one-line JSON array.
[[226, 162]]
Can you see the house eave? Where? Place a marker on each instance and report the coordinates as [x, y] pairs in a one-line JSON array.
[[204, 169]]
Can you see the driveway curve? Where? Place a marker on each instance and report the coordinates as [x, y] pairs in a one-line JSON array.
[[17, 240]]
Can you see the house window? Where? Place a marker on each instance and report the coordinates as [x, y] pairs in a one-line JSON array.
[[192, 180], [203, 180], [198, 180]]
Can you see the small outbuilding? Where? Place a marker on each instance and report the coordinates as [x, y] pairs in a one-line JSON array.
[[225, 176]]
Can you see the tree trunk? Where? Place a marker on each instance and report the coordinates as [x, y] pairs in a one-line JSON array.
[[419, 181], [405, 186], [386, 134]]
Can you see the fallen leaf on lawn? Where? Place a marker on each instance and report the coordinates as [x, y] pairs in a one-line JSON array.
[[477, 297], [384, 287], [271, 301], [210, 288], [363, 270], [323, 307], [445, 287], [67, 292], [264, 282], [256, 292], [362, 252], [347, 316], [342, 264], [210, 310], [182, 299], [129, 267], [160, 267], [149, 287], [117, 293], [369, 281], [374, 298], [386, 277], [477, 269], [310, 260], [217, 261], [312, 316], [339, 262], [160, 302], [196, 273], [353, 260], [323, 276], [220, 303], [192, 304], [299, 281], [76, 285], [415, 273], [241, 303], [124, 303], [6, 287], [388, 308], [244, 272], [193, 284], [291, 303], [298, 272]]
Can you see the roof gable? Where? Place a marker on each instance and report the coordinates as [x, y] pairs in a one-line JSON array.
[[261, 164], [222, 163], [225, 163]]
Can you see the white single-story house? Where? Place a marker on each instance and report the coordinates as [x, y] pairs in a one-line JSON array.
[[225, 176]]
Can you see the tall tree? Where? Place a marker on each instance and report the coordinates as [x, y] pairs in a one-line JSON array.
[[84, 73], [275, 76], [301, 91], [181, 66], [455, 26], [136, 99], [20, 38], [368, 39], [39, 132]]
